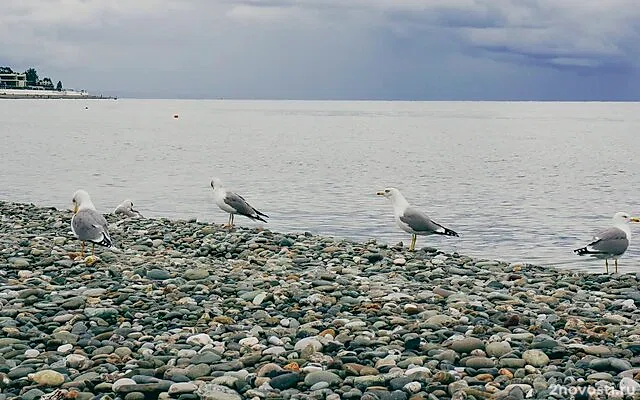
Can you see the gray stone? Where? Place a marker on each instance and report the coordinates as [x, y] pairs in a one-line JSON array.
[[466, 345], [285, 381], [211, 391], [498, 349], [322, 376], [535, 358]]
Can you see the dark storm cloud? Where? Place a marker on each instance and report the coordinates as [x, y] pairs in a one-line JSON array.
[[414, 49]]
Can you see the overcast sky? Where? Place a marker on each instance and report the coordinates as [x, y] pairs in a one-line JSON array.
[[331, 49]]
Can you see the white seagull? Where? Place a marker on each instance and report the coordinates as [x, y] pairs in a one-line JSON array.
[[126, 208], [412, 220], [234, 203], [87, 224], [611, 242]]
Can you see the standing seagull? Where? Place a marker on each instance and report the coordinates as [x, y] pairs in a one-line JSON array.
[[412, 220], [611, 242], [87, 224], [234, 203], [126, 208]]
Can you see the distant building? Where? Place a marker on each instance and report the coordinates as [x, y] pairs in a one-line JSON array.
[[41, 93], [13, 80]]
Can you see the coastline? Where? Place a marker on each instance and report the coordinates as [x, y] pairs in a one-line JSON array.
[[52, 97], [190, 309]]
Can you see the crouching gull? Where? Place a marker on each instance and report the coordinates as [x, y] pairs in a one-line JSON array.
[[611, 242], [234, 203], [412, 220], [126, 208], [88, 225]]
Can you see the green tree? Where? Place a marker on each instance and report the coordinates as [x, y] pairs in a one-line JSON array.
[[6, 70], [59, 86], [46, 82], [32, 76]]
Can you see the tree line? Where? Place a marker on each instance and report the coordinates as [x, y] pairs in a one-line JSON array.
[[33, 79]]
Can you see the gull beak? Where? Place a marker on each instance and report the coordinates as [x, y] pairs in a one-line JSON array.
[[75, 208], [634, 219], [380, 193]]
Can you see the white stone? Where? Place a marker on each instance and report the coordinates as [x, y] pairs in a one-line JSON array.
[[276, 341], [260, 297], [307, 369], [77, 361], [31, 353], [24, 274], [308, 341], [200, 339], [248, 341], [64, 348], [412, 387], [355, 325], [182, 387], [122, 382], [400, 261], [414, 370], [276, 350], [628, 304], [629, 386]]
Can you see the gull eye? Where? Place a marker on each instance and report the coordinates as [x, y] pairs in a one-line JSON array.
[[386, 190]]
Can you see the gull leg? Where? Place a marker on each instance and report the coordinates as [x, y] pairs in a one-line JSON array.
[[606, 264], [233, 216], [412, 247], [82, 249], [93, 249], [228, 222], [616, 262]]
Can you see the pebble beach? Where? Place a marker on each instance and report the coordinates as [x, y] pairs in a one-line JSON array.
[[191, 310]]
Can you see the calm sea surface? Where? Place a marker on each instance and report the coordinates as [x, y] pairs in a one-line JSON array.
[[518, 181]]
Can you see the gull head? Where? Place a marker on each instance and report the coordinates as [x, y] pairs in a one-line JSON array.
[[216, 183], [624, 218], [80, 200], [128, 204], [390, 193]]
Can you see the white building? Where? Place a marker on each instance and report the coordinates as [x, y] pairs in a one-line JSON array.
[[13, 80]]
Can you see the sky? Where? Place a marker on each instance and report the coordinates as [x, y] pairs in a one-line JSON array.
[[331, 49]]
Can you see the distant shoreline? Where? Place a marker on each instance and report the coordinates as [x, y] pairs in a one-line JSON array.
[[54, 97], [49, 94]]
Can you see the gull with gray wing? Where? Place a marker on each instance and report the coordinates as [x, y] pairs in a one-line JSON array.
[[126, 208], [233, 203], [412, 220], [611, 242], [87, 224]]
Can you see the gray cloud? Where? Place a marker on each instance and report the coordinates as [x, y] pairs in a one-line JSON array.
[[329, 48]]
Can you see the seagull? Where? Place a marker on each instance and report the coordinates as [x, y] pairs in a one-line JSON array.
[[87, 224], [126, 208], [412, 220], [234, 203], [611, 242]]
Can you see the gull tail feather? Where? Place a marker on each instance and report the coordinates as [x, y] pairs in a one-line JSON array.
[[260, 213], [448, 232], [585, 250], [258, 217], [105, 241]]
